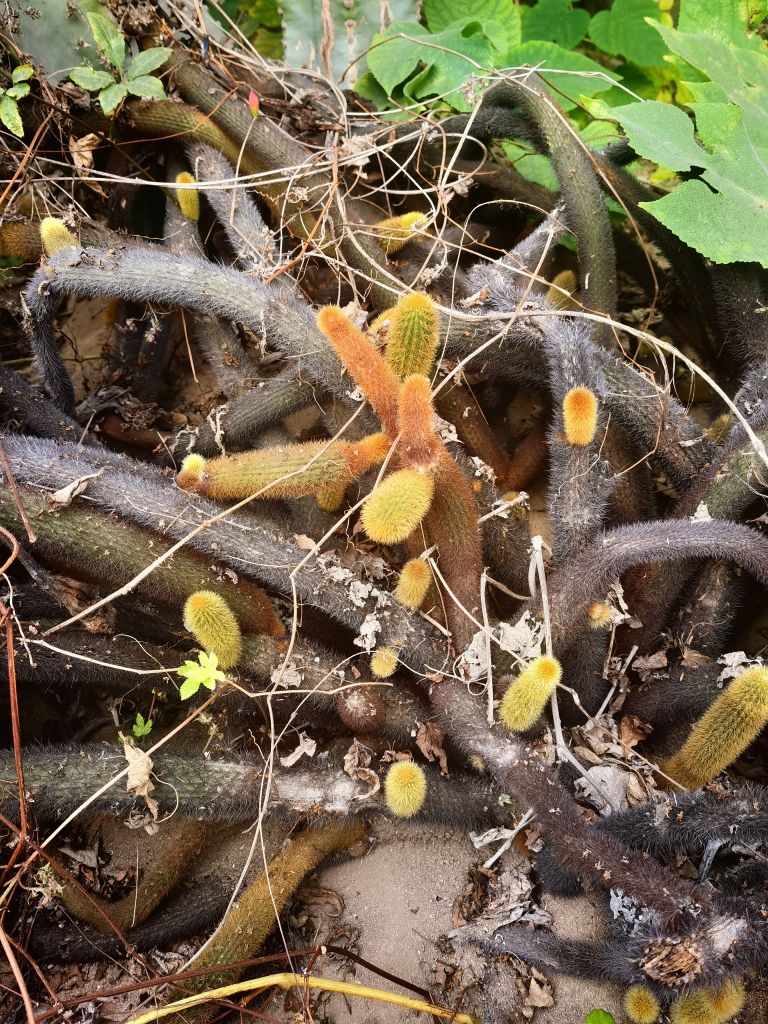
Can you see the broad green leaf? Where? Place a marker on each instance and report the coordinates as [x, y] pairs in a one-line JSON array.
[[91, 79], [368, 86], [111, 97], [108, 38], [22, 73], [9, 115], [148, 87], [624, 31], [18, 92], [556, 21], [724, 19], [439, 14], [188, 689], [599, 1017], [568, 75], [531, 165], [660, 132], [334, 49], [393, 60], [148, 60]]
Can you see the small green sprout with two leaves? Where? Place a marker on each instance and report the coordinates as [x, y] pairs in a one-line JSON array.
[[203, 672], [9, 98], [132, 78]]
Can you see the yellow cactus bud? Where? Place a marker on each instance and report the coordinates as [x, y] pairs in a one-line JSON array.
[[524, 700], [693, 1009], [413, 336], [384, 662], [599, 614], [397, 506], [405, 789], [565, 281], [641, 1005], [728, 1000], [210, 620], [188, 198], [580, 415], [724, 731], [190, 475], [394, 232], [414, 583], [55, 235]]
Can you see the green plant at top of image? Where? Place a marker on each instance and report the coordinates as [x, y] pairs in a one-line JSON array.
[[126, 77]]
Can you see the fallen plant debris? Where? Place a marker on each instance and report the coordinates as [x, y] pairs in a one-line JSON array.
[[356, 488]]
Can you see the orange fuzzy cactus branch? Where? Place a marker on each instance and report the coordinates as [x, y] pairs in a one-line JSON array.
[[413, 336], [397, 506], [525, 698], [580, 409], [724, 732], [290, 471], [210, 620], [368, 368], [419, 447], [393, 232]]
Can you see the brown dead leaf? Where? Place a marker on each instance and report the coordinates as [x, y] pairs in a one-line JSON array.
[[633, 730], [539, 994], [66, 495], [694, 659], [304, 543], [139, 779], [82, 149], [356, 762], [429, 740]]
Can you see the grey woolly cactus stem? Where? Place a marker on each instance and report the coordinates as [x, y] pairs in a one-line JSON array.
[[41, 417], [99, 548], [255, 548], [586, 578]]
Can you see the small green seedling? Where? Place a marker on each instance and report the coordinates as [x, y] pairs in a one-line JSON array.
[[132, 79], [203, 672], [599, 1017], [9, 98], [141, 727]]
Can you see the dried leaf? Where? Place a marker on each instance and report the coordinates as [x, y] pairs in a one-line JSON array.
[[82, 149], [66, 495], [633, 730], [306, 746], [539, 994], [139, 777], [429, 740], [304, 543], [356, 762]]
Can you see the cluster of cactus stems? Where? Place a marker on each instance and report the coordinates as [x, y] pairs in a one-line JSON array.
[[434, 521]]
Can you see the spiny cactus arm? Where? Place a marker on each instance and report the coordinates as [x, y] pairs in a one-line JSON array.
[[739, 297], [210, 620], [458, 405], [158, 118], [364, 363], [586, 578], [413, 336], [587, 214], [250, 920], [251, 240], [735, 720], [255, 549], [419, 446], [162, 876], [38, 414], [511, 273], [99, 548], [580, 482]]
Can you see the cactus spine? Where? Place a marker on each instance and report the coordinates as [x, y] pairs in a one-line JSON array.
[[405, 789], [728, 1000], [413, 336], [734, 720], [524, 700], [210, 620]]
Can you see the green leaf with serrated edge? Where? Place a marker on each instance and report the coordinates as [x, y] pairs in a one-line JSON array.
[[568, 75], [467, 51], [9, 115], [660, 132], [147, 61], [111, 97], [148, 87], [108, 38], [18, 92], [556, 21], [22, 73], [724, 19], [599, 1017], [392, 61], [623, 31], [439, 14], [188, 689], [91, 79]]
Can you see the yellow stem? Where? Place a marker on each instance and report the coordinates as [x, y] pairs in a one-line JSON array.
[[308, 981]]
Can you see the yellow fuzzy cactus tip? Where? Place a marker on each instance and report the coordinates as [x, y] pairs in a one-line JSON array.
[[190, 475], [188, 198], [413, 336], [397, 506], [393, 232], [641, 1005], [728, 1000], [724, 731], [599, 614], [413, 584], [55, 235], [384, 662], [563, 282], [693, 1009], [524, 700], [580, 416], [211, 621], [405, 789]]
